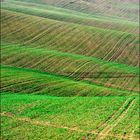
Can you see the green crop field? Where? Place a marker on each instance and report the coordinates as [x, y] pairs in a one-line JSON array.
[[70, 70]]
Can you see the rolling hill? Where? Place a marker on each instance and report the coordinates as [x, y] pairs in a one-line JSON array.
[[69, 69]]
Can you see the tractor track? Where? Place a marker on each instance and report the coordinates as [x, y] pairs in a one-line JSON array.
[[109, 127]]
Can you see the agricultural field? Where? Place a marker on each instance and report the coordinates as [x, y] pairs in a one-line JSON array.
[[70, 70]]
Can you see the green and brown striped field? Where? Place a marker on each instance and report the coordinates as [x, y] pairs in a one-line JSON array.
[[69, 70]]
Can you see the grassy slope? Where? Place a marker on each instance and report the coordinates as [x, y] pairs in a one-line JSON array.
[[90, 41], [28, 81], [66, 15], [95, 71], [58, 117], [61, 51]]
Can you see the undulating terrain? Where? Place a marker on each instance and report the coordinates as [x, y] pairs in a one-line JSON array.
[[70, 70]]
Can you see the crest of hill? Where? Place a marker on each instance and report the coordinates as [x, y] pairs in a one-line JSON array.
[[127, 9]]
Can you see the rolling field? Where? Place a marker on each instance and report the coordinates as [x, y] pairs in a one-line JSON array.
[[69, 70], [64, 117]]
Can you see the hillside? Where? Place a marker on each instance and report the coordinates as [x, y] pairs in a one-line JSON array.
[[69, 69]]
